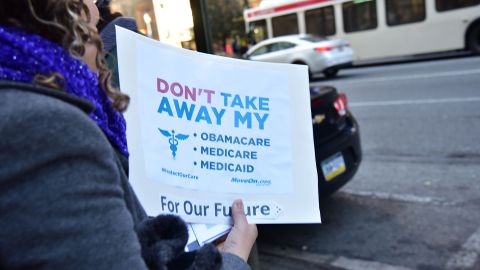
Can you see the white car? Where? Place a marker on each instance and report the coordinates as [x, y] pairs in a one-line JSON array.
[[320, 54]]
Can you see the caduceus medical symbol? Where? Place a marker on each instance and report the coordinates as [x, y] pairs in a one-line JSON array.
[[173, 140]]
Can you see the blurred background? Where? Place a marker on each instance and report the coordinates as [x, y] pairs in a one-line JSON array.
[[171, 21], [395, 88]]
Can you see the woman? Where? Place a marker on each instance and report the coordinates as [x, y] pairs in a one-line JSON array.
[[65, 200]]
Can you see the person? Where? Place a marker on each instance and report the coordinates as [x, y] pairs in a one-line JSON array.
[[65, 199], [106, 14], [106, 27]]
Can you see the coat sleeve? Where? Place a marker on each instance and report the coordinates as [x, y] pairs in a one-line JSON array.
[[233, 262], [62, 205]]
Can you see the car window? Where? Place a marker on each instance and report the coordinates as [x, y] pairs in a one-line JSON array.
[[280, 46], [262, 50]]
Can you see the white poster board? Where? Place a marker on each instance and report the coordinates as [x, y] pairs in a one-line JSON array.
[[204, 130]]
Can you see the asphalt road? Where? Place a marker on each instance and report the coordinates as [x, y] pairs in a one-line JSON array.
[[415, 201]]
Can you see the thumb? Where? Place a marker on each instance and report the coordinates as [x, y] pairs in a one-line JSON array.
[[238, 214]]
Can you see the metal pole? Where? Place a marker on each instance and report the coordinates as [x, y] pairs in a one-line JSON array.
[[201, 26]]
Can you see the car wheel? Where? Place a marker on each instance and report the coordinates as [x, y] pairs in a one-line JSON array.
[[474, 40], [330, 73]]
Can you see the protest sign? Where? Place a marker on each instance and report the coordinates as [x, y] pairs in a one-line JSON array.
[[204, 130]]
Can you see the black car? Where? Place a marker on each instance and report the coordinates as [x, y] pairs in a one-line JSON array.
[[336, 138]]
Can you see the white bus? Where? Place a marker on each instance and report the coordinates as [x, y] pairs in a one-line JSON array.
[[375, 29]]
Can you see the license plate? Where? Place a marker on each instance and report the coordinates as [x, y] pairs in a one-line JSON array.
[[333, 166]]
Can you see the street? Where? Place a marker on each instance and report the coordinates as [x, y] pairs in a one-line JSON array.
[[414, 203]]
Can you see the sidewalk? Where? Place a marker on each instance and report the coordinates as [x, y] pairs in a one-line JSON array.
[[278, 258]]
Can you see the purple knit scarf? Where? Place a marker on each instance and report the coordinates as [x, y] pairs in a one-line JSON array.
[[23, 55]]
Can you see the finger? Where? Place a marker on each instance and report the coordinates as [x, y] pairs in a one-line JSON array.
[[238, 214], [219, 241]]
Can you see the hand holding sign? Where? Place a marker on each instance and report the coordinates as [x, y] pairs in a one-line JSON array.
[[242, 236]]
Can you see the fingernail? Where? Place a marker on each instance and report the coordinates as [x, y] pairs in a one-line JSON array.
[[239, 204]]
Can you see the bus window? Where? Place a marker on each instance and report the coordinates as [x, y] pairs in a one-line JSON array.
[[320, 21], [257, 31], [405, 11], [444, 5], [359, 15], [285, 25]]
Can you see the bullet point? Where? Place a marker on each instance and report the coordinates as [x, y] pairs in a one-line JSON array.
[[195, 149], [195, 163], [194, 134]]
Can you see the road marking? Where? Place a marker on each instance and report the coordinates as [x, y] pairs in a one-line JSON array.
[[323, 260], [466, 257], [409, 198], [414, 102], [413, 76]]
